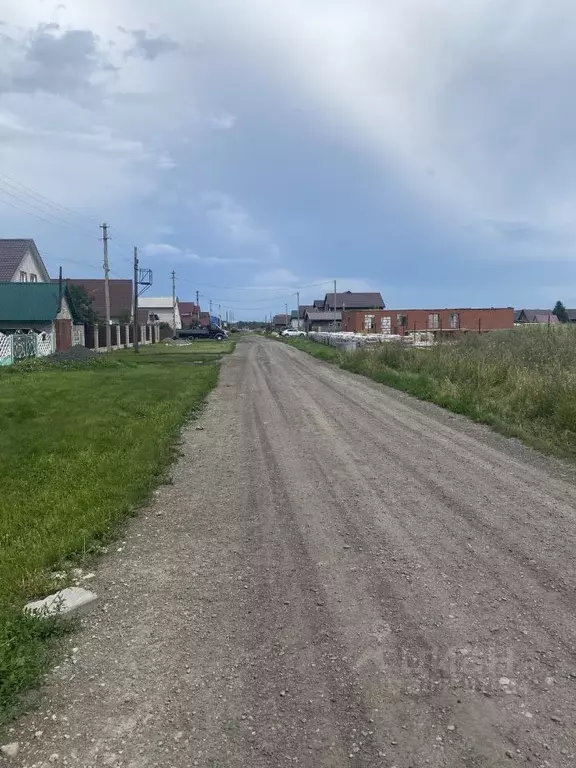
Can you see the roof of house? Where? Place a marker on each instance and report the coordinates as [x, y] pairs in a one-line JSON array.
[[294, 314], [187, 308], [538, 315], [305, 308], [546, 317], [120, 295], [571, 315], [11, 254], [318, 304], [29, 302], [328, 316], [281, 319], [355, 300], [157, 302]]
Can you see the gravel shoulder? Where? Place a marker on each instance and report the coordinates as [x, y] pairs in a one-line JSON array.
[[338, 575]]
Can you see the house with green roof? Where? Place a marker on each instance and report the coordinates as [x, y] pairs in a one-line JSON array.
[[44, 308]]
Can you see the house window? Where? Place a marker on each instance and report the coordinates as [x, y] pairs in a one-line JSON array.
[[433, 320], [454, 320], [401, 320], [369, 323], [385, 324], [23, 277], [33, 278]]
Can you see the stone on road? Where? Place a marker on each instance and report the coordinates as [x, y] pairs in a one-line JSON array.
[[340, 576]]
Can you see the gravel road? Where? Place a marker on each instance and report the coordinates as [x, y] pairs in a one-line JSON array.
[[338, 576]]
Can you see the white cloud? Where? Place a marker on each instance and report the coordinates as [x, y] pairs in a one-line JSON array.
[[276, 277], [172, 253], [161, 249], [224, 122], [469, 102], [235, 224]]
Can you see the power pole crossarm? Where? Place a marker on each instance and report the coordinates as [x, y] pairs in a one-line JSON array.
[[104, 228]]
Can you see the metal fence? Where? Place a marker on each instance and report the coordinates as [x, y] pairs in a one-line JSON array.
[[21, 345]]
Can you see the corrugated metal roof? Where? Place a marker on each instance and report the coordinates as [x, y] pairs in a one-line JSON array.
[[156, 302], [327, 316], [352, 300], [28, 302]]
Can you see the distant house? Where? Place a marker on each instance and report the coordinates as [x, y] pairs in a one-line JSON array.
[[318, 305], [120, 298], [322, 321], [20, 262], [350, 300], [189, 313], [164, 308], [280, 322], [571, 315], [535, 317], [38, 307]]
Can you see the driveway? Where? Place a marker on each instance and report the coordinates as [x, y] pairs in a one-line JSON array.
[[337, 576]]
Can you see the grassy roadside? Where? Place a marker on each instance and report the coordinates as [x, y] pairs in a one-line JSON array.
[[520, 382], [81, 447]]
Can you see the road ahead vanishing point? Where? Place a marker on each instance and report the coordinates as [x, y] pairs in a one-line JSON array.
[[338, 576]]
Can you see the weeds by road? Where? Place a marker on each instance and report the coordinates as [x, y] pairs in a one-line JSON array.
[[522, 382], [81, 447]]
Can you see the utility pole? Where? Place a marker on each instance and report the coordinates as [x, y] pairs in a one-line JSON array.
[[135, 310], [334, 304], [286, 316], [219, 313], [198, 306], [298, 305], [174, 301], [210, 312], [104, 228]]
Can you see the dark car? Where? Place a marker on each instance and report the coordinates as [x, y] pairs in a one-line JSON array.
[[204, 332]]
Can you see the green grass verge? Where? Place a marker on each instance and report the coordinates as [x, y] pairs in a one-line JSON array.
[[81, 447], [521, 382]]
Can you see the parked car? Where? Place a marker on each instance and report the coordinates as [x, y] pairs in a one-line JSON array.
[[292, 332], [203, 332]]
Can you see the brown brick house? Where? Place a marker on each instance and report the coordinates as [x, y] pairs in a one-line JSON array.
[[403, 321]]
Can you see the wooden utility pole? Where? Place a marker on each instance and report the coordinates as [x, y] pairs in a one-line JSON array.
[[104, 228], [135, 309], [298, 305], [174, 301], [198, 307], [334, 304]]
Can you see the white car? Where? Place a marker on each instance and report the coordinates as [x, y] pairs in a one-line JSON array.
[[292, 332]]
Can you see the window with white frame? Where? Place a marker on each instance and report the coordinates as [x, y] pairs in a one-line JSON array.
[[433, 320], [385, 325], [33, 278], [369, 322], [454, 320], [23, 277]]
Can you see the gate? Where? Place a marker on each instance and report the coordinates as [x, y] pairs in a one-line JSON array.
[[23, 345]]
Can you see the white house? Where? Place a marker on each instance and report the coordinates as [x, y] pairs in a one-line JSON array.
[[20, 262], [163, 307]]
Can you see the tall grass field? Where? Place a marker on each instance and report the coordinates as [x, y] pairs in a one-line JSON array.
[[81, 447], [522, 381]]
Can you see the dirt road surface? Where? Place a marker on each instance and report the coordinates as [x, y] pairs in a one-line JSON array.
[[338, 576]]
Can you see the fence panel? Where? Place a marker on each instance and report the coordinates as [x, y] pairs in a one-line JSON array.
[[5, 350], [44, 344], [23, 345]]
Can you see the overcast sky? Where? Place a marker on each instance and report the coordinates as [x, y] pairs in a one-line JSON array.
[[424, 148]]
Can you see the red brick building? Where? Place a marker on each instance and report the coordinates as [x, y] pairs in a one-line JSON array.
[[403, 321]]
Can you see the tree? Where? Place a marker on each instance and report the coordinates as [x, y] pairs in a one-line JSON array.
[[560, 312], [82, 305]]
